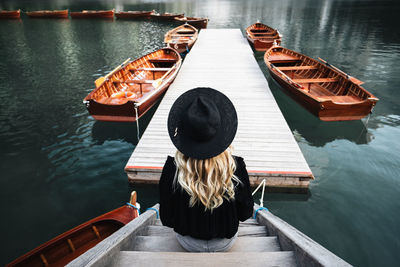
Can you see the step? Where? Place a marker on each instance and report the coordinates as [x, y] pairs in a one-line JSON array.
[[221, 259], [157, 230], [248, 222], [170, 244]]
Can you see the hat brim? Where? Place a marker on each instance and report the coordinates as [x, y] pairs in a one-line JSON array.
[[224, 135]]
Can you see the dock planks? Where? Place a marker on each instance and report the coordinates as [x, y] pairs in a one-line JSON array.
[[223, 60]]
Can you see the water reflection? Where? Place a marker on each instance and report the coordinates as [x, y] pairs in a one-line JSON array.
[[122, 131], [105, 131]]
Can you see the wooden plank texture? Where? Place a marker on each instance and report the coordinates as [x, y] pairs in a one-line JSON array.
[[223, 60], [228, 259], [255, 230], [171, 244]]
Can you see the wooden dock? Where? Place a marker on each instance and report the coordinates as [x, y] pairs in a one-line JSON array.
[[222, 59]]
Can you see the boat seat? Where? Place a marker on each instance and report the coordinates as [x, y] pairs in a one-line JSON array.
[[299, 68], [150, 69], [162, 60], [135, 81], [317, 80]]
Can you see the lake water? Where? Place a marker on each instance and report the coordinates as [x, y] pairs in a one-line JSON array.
[[60, 168]]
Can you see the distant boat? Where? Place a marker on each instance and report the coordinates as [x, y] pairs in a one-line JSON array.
[[12, 14], [181, 38], [66, 247], [131, 89], [262, 37], [134, 14], [166, 16], [199, 23], [48, 14], [93, 14], [321, 88]]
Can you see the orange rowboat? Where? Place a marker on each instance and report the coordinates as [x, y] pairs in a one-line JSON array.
[[199, 23], [13, 14], [62, 14], [321, 88], [66, 247], [134, 14], [181, 38], [132, 88], [262, 37], [93, 14]]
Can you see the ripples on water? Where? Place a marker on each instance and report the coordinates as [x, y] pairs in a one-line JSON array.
[[59, 167]]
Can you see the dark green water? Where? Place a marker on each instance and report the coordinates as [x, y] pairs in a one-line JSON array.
[[60, 168]]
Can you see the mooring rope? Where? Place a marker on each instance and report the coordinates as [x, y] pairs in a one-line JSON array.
[[133, 206], [260, 208], [158, 215], [137, 123], [137, 207], [262, 193]]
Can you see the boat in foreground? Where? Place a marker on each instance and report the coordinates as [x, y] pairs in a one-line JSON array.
[[321, 88], [132, 88], [63, 14], [134, 14], [166, 16], [199, 23], [181, 38], [262, 37], [66, 247], [264, 240], [11, 14], [93, 14]]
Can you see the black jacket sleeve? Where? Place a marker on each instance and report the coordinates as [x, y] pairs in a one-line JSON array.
[[166, 196], [243, 198]]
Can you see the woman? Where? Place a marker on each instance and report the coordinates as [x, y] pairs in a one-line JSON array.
[[204, 190]]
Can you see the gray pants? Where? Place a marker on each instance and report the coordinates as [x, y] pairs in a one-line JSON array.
[[199, 245]]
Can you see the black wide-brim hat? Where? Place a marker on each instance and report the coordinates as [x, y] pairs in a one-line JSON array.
[[202, 123]]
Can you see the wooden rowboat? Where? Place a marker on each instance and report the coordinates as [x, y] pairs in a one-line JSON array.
[[266, 240], [166, 16], [321, 88], [262, 37], [181, 38], [199, 23], [134, 14], [131, 89], [66, 247], [12, 14], [93, 14], [63, 14]]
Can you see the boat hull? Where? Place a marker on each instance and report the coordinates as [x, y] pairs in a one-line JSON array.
[[200, 23], [166, 16], [109, 101], [133, 15], [66, 247], [262, 37], [328, 110], [260, 45], [125, 112], [56, 14], [15, 14], [181, 38], [93, 14]]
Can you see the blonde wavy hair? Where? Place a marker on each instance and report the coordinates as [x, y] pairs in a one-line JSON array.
[[207, 181]]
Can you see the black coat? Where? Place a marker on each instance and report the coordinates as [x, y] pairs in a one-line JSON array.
[[194, 221]]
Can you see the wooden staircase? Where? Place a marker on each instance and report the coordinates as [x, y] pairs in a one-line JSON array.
[[267, 241], [159, 247]]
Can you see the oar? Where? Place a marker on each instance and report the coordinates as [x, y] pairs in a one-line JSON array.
[[157, 82], [351, 78], [100, 80]]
